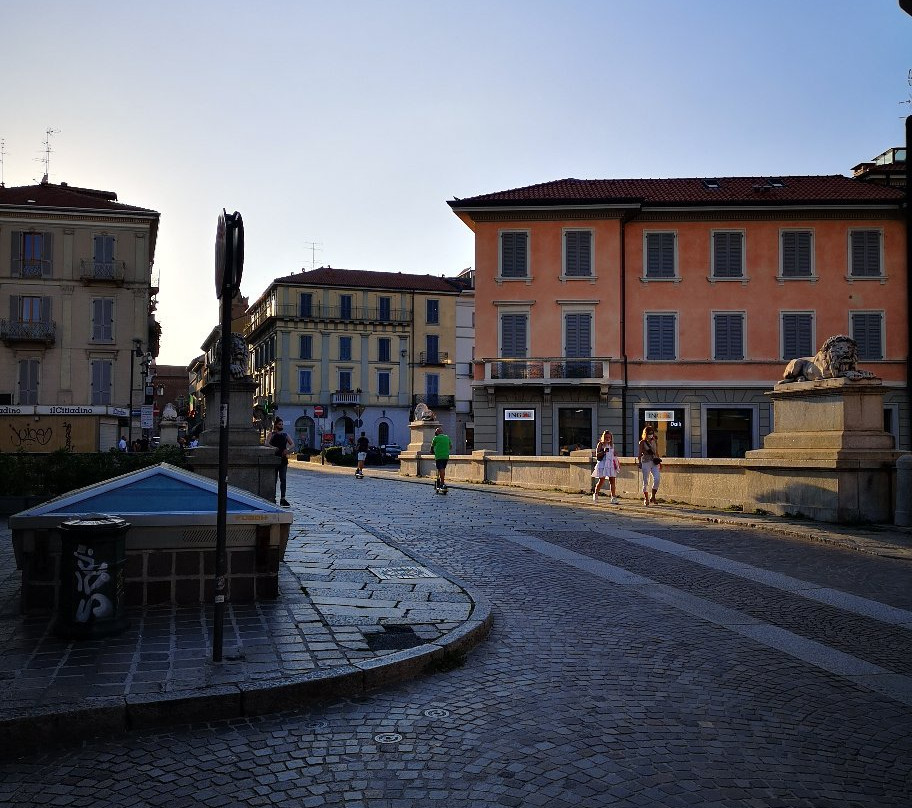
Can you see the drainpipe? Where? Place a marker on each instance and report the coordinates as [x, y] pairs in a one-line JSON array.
[[625, 219], [908, 270]]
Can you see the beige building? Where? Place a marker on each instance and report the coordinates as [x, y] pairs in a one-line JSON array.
[[78, 326], [336, 352]]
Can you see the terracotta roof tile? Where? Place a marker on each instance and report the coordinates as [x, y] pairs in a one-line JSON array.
[[48, 195], [691, 191], [364, 279]]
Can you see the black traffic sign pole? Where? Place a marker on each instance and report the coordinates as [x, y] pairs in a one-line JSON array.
[[229, 265]]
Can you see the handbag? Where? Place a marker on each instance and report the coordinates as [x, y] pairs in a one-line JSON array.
[[599, 454], [656, 459]]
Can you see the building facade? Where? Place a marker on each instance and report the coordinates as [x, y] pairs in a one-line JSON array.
[[607, 304], [336, 352], [78, 330]]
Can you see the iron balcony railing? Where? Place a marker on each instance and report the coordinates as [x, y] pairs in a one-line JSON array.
[[32, 331], [103, 271], [547, 370], [31, 267], [317, 311], [439, 358], [434, 401]]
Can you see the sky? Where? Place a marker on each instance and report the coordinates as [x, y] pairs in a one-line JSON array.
[[339, 130]]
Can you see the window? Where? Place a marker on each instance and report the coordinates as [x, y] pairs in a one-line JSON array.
[[345, 380], [383, 349], [797, 334], [29, 309], [433, 311], [728, 335], [345, 348], [514, 254], [383, 383], [304, 381], [864, 255], [30, 317], [514, 339], [660, 255], [305, 306], [432, 344], [345, 307], [432, 387], [32, 255], [796, 254], [729, 431], [728, 255], [578, 344], [103, 256], [660, 336], [867, 330], [578, 253], [101, 381], [385, 309], [103, 319], [28, 381], [306, 346]]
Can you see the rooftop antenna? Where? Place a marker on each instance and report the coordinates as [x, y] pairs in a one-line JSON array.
[[47, 152], [314, 247], [909, 99], [2, 155]]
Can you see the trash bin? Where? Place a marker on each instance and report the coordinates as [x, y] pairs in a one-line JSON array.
[[90, 600]]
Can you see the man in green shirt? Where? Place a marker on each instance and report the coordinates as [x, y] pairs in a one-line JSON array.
[[441, 446]]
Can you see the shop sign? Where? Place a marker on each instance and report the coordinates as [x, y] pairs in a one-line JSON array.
[[519, 415], [659, 415]]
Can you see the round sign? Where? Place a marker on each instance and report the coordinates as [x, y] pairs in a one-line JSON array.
[[229, 253], [220, 252], [319, 411]]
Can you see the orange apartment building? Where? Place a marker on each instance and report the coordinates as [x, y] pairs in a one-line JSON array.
[[606, 304]]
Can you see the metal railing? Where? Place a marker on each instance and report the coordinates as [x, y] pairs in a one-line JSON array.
[[318, 311], [33, 331], [434, 401], [31, 267], [345, 397], [113, 271], [547, 369], [439, 358]]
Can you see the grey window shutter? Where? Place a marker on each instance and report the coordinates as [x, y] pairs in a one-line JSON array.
[[513, 252], [865, 253], [513, 336], [578, 259], [727, 255], [14, 309], [796, 254], [660, 255], [47, 265], [579, 335], [46, 310], [660, 336], [16, 253], [866, 331]]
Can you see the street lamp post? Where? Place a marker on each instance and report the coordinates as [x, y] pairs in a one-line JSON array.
[[134, 355]]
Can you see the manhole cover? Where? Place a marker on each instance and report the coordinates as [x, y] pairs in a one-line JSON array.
[[436, 712], [388, 737], [401, 573]]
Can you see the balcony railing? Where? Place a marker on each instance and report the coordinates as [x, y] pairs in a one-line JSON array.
[[439, 358], [102, 271], [345, 397], [317, 311], [31, 268], [15, 331], [434, 401], [547, 370]]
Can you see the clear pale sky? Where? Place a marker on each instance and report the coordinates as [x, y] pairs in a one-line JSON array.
[[350, 124]]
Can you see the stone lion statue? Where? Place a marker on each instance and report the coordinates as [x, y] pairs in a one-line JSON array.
[[837, 357], [238, 355], [169, 413], [424, 413]]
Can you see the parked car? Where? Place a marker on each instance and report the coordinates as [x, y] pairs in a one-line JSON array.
[[391, 451], [374, 456]]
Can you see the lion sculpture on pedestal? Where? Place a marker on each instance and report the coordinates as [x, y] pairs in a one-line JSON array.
[[837, 357], [424, 413]]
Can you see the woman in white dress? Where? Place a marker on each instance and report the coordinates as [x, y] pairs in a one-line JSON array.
[[607, 465]]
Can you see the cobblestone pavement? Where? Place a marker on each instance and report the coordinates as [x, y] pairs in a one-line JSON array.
[[636, 660]]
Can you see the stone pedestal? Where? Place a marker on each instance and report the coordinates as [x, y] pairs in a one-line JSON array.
[[168, 433], [251, 466], [828, 457], [421, 433]]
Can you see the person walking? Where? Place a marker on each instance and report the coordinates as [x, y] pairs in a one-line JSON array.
[[363, 446], [440, 446], [283, 444], [606, 465], [650, 463]]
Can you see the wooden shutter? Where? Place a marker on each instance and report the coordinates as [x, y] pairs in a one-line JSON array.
[[16, 253], [867, 332], [578, 258], [727, 255], [28, 381], [729, 334], [46, 310], [579, 335], [513, 255], [865, 254], [796, 254], [660, 336], [14, 309], [513, 336], [660, 255], [47, 255], [796, 335]]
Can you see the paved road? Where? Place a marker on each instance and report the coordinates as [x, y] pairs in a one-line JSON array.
[[634, 661]]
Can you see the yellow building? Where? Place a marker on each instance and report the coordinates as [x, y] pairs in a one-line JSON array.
[[337, 351], [78, 329]]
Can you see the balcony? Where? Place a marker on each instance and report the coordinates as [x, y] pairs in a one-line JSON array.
[[31, 268], [345, 398], [434, 401], [14, 331], [547, 371], [112, 272], [439, 358]]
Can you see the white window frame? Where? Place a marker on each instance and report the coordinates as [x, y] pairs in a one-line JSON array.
[[513, 308], [592, 273]]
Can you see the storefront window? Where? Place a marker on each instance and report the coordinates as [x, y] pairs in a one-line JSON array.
[[669, 426], [519, 432], [729, 431], [574, 428]]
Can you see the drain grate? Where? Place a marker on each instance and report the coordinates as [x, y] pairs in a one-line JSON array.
[[393, 638], [401, 573]]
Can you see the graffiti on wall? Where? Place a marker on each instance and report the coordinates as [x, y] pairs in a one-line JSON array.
[[91, 577], [48, 434]]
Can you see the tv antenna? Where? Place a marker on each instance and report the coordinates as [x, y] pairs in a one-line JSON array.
[[909, 99], [47, 151], [315, 246], [2, 155]]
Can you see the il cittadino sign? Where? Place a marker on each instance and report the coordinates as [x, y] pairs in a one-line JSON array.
[[47, 428]]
